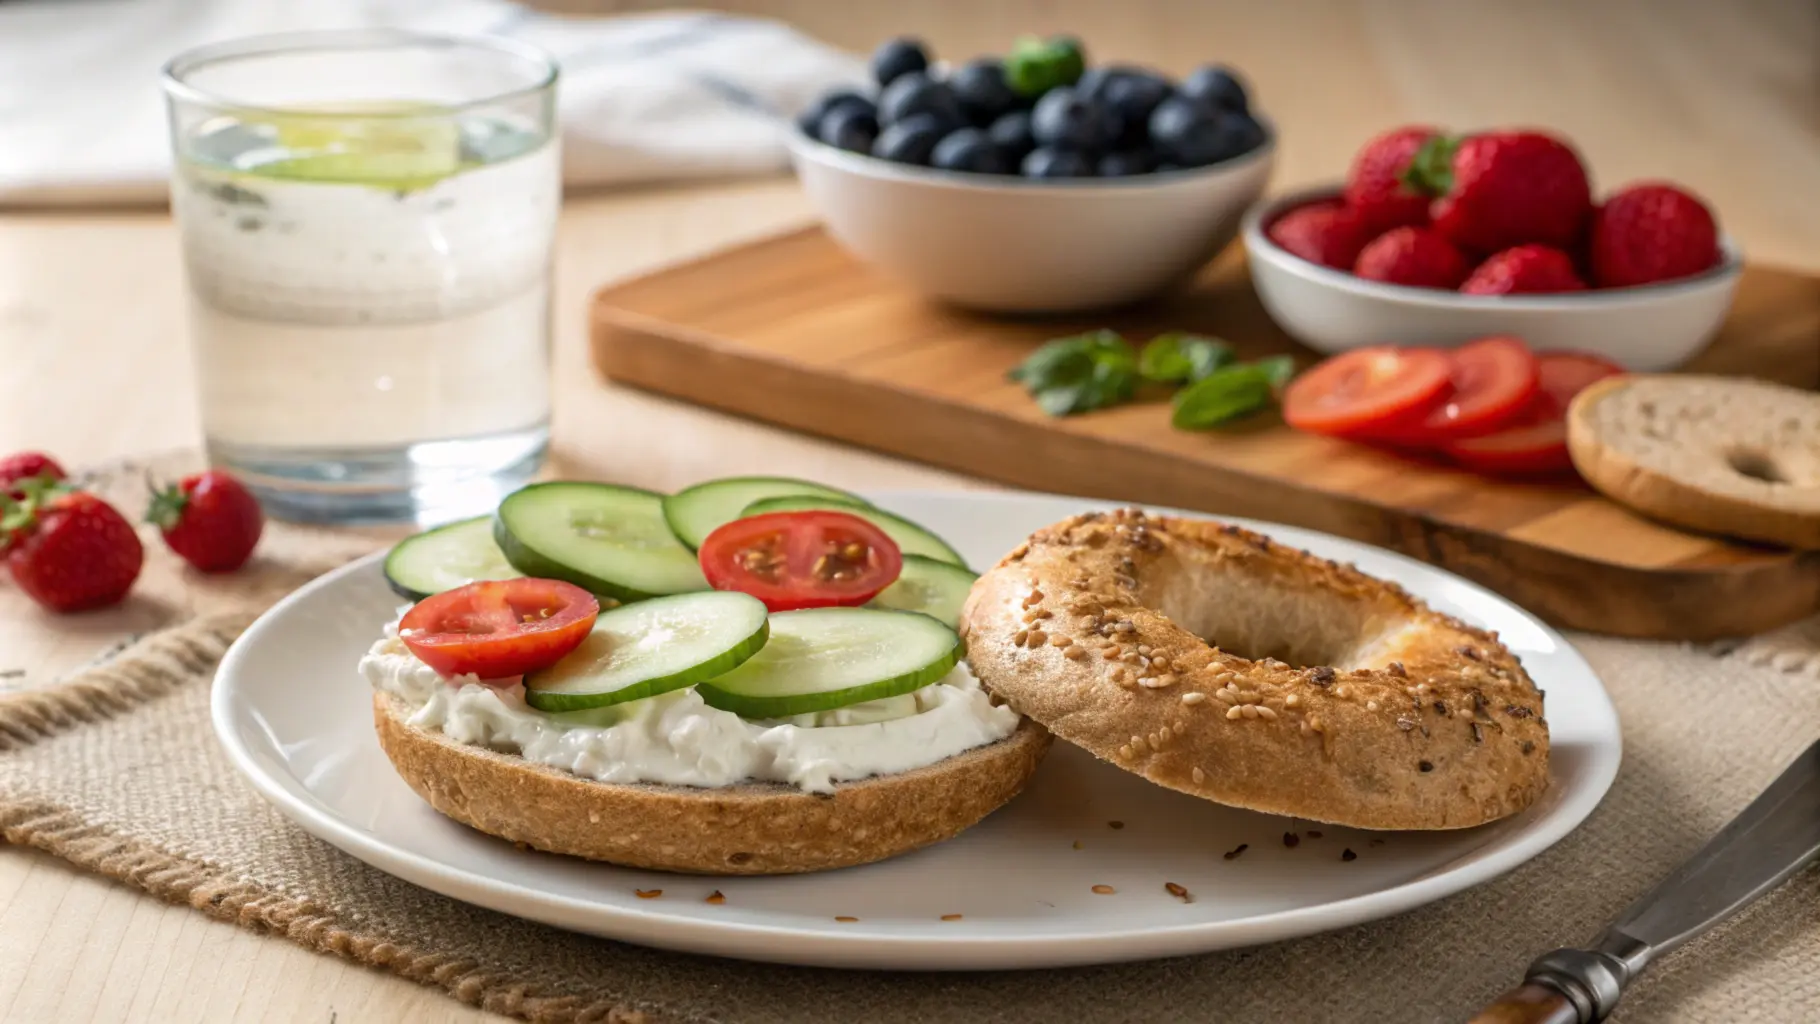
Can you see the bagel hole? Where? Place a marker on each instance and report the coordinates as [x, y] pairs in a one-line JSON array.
[[1756, 464], [1247, 618]]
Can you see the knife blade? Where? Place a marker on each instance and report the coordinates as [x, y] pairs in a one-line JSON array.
[[1770, 840]]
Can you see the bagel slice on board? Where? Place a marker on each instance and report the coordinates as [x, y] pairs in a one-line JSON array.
[[1211, 660]]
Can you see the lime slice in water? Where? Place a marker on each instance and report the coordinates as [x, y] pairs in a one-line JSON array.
[[403, 153]]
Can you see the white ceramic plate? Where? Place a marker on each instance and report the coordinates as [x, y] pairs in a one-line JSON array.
[[294, 716]]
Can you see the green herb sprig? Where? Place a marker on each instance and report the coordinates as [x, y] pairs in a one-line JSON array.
[[1101, 369]]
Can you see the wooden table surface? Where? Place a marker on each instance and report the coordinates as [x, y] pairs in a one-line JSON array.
[[94, 362]]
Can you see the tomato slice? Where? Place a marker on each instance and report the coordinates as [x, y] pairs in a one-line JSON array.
[[1535, 440], [811, 559], [1367, 390], [1493, 380], [497, 629]]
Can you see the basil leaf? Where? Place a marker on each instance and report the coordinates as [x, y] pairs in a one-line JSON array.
[[1224, 395], [1280, 369], [1177, 356], [1079, 374]]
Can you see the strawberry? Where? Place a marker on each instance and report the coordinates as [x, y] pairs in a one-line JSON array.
[[74, 551], [1526, 268], [1326, 233], [209, 518], [1376, 187], [1502, 189], [27, 466], [1652, 232], [1418, 257]]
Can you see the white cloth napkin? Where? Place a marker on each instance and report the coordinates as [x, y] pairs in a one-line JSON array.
[[642, 97]]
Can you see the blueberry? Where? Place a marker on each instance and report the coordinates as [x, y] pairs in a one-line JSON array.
[[1244, 133], [1065, 119], [1044, 162], [968, 149], [1011, 134], [1216, 86], [1126, 162], [980, 87], [897, 58], [848, 128], [1166, 167], [1133, 95], [811, 118], [1093, 80], [1186, 131], [917, 93], [911, 140]]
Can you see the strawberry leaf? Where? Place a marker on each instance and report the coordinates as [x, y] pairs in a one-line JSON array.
[[1430, 171]]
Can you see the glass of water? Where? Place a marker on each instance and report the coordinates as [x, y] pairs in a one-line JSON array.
[[367, 221]]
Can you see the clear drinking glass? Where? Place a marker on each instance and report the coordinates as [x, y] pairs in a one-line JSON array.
[[367, 221]]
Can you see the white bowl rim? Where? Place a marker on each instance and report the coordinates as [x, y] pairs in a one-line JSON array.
[[968, 181], [1251, 229]]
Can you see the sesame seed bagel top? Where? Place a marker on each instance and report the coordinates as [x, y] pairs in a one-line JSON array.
[[1326, 694]]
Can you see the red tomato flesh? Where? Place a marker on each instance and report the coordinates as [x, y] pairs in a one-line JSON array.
[[497, 629], [1493, 380], [791, 560], [1367, 392], [1535, 440]]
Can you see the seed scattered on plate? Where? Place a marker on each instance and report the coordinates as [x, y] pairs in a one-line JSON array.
[[1314, 833], [1179, 892], [1077, 844], [847, 920], [951, 917], [716, 897], [1233, 854], [647, 894], [1115, 824], [1291, 840], [1347, 854], [1104, 890]]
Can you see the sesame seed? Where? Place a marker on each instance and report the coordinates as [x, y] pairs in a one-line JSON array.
[[1314, 833], [847, 920], [1291, 840], [1265, 713], [1305, 728], [1157, 742], [1115, 825], [1018, 638], [1198, 775], [1145, 649], [1110, 653], [1347, 854], [1138, 744], [1371, 705], [1226, 694], [1124, 626], [1426, 766], [1132, 658], [1125, 752], [1341, 692], [716, 897], [1193, 697], [951, 917], [1182, 727], [1058, 640], [1166, 679], [1178, 892], [1248, 710], [1233, 854], [1075, 654], [1037, 637], [1235, 712], [647, 894], [1077, 844], [1104, 890], [1294, 700], [1148, 682], [1042, 613]]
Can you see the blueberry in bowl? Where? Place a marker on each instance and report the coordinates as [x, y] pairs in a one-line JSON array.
[[1033, 181]]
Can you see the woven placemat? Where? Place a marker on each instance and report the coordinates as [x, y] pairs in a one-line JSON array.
[[115, 769]]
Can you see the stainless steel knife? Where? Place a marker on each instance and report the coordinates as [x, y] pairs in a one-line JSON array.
[[1774, 837]]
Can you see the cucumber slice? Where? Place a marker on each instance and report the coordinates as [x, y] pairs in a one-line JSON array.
[[823, 658], [447, 557], [612, 540], [937, 589], [652, 647], [911, 539], [694, 512]]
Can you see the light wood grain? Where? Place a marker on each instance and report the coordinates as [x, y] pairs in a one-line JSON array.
[[94, 362]]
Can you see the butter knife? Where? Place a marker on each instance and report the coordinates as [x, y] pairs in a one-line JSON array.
[[1774, 837]]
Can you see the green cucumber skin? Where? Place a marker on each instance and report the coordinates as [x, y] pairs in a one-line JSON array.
[[827, 700], [403, 547], [650, 687], [790, 504], [676, 504], [943, 576], [532, 563]]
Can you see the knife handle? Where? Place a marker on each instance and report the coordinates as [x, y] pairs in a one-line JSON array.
[[1530, 1003]]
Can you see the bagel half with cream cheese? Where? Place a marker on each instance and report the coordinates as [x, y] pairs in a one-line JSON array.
[[1324, 694], [757, 828]]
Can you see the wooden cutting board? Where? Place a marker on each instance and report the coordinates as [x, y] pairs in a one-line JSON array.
[[792, 331]]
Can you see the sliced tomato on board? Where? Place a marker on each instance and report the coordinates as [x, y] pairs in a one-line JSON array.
[[1368, 392], [791, 560], [1535, 440], [497, 629], [1493, 379]]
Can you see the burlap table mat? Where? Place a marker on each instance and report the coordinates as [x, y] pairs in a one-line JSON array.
[[115, 769]]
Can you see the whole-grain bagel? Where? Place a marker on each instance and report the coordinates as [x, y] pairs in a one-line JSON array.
[[1331, 695]]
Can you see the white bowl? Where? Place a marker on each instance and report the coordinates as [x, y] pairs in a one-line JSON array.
[[1014, 245], [1653, 327]]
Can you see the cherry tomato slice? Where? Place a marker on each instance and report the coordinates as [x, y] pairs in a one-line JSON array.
[[791, 560], [1535, 440], [1493, 380], [1367, 390], [497, 629]]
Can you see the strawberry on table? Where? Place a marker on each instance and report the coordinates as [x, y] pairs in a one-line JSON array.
[[73, 551], [209, 518], [1418, 257], [1327, 233], [1652, 232], [1376, 188], [1501, 189], [28, 466], [1525, 269]]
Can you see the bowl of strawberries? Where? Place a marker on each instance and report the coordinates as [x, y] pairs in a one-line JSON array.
[[1436, 239]]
